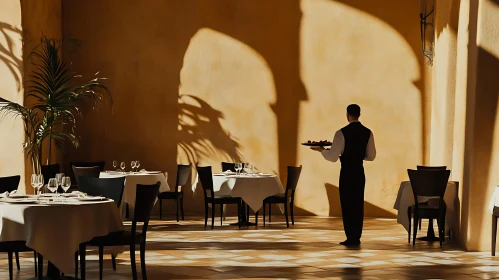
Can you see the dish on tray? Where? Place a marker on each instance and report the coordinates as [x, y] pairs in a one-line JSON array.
[[322, 143]]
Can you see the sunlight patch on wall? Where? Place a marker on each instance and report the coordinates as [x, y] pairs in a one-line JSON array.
[[349, 56], [226, 91]]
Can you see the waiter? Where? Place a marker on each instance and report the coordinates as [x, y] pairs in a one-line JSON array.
[[352, 144]]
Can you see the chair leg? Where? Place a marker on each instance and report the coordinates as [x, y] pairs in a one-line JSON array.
[[101, 260], [83, 253], [256, 218], [113, 260], [264, 214], [76, 265], [9, 256], [440, 233], [176, 207], [239, 210], [132, 261], [291, 206], [247, 213], [160, 208], [182, 207], [205, 214], [221, 213], [415, 232], [143, 259], [17, 261], [270, 213], [36, 263], [420, 224], [40, 267], [286, 213], [409, 215], [494, 234], [212, 215]]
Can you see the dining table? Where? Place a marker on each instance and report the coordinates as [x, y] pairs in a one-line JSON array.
[[55, 226], [251, 188], [131, 181], [405, 199]]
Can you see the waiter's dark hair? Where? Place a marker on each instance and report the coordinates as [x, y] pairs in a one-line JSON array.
[[353, 110]]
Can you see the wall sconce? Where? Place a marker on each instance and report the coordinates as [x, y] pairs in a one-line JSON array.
[[426, 9]]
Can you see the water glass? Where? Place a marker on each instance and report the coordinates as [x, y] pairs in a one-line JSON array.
[[34, 180], [137, 164], [115, 165], [39, 183], [122, 166], [52, 185], [132, 164], [238, 167]]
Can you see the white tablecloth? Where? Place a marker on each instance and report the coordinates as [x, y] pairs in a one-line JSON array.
[[253, 190], [405, 199], [55, 231], [131, 181], [494, 200]]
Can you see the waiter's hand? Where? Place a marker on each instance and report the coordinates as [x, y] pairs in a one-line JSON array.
[[318, 149]]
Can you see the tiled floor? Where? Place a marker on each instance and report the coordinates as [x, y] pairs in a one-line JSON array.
[[308, 250]]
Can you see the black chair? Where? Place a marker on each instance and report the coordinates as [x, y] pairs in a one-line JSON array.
[[228, 166], [9, 184], [79, 172], [100, 164], [145, 198], [495, 214], [287, 197], [183, 173], [206, 178], [429, 183], [49, 171], [425, 167]]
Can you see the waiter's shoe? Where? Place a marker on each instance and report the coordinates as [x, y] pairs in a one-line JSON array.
[[350, 243]]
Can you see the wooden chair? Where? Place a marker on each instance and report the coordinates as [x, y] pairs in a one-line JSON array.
[[100, 164], [49, 171], [228, 166], [287, 197], [145, 198], [206, 178], [429, 183], [183, 173], [93, 172], [495, 214]]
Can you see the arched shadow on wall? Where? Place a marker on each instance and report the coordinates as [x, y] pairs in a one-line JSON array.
[[8, 33], [201, 134]]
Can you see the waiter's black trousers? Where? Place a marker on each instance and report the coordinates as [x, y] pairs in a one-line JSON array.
[[352, 184]]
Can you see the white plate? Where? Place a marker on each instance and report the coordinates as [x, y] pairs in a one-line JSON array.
[[92, 198]]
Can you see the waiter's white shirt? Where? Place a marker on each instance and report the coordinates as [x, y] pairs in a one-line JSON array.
[[339, 145]]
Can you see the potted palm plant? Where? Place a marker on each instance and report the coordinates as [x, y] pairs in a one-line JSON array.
[[54, 100]]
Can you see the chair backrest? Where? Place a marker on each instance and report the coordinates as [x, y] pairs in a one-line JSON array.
[[79, 172], [49, 171], [206, 178], [10, 183], [293, 176], [228, 166], [108, 187], [100, 164], [421, 167], [428, 182], [145, 197], [183, 173]]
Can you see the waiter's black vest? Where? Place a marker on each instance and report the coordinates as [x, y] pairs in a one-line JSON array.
[[356, 138]]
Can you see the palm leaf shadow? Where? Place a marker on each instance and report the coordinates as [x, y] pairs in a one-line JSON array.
[[8, 35], [200, 132]]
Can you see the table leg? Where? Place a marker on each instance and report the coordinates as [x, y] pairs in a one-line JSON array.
[[430, 234], [244, 222], [53, 273]]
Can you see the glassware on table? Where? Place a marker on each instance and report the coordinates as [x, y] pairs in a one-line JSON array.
[[52, 185], [58, 178], [137, 164], [248, 167], [66, 183], [238, 166], [39, 183], [133, 164], [34, 181], [122, 166], [115, 165]]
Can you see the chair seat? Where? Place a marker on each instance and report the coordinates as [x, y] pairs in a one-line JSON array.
[[14, 246], [278, 198], [170, 195], [115, 239], [224, 199]]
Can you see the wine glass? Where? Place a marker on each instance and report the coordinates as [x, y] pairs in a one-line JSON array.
[[133, 164], [238, 167], [248, 167], [58, 178], [66, 183], [52, 185], [39, 183], [122, 166], [137, 164], [34, 181], [115, 165]]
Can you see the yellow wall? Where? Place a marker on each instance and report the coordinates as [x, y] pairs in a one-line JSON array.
[[11, 88], [206, 81]]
